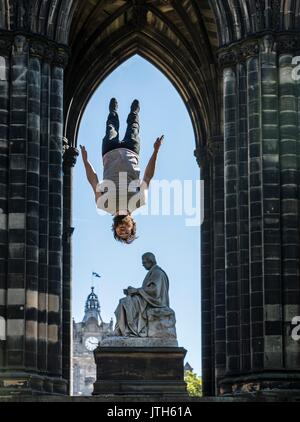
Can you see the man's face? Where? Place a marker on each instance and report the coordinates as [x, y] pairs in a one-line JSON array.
[[147, 263], [124, 229]]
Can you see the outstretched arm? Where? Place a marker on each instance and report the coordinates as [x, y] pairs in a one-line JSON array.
[[150, 169], [90, 172]]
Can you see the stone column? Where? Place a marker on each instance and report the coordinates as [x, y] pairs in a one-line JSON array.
[[262, 232], [31, 132], [211, 161], [215, 147], [207, 332], [4, 148], [69, 161]]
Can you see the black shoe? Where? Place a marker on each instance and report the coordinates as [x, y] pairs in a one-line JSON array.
[[112, 122], [135, 107], [113, 105]]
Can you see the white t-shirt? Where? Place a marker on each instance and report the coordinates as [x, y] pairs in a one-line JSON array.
[[121, 188]]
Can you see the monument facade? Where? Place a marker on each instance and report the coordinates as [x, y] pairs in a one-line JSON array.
[[234, 64]]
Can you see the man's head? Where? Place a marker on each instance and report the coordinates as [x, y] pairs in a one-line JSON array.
[[124, 228], [148, 260]]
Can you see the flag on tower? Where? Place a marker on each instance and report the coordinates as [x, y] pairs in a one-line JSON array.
[[96, 275]]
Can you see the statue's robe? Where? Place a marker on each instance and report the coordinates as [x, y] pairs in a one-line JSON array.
[[131, 313]]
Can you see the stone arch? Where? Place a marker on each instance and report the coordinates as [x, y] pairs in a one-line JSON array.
[[181, 39], [149, 31], [190, 42], [170, 69], [238, 19]]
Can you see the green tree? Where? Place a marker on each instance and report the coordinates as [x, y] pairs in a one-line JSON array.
[[194, 383]]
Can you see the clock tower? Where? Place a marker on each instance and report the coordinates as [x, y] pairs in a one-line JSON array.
[[86, 336]]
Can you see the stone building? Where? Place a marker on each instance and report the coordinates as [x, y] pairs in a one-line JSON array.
[[86, 336], [235, 65]]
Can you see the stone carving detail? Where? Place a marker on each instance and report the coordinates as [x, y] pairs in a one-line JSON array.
[[282, 43], [276, 14], [19, 14], [240, 53], [20, 45], [201, 156], [67, 234], [215, 145], [46, 50], [37, 49], [61, 57], [267, 44], [287, 44], [207, 152], [49, 51], [70, 156]]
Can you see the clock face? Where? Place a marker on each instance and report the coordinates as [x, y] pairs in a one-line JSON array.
[[91, 343]]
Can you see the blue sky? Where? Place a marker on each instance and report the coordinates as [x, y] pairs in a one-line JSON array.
[[176, 246]]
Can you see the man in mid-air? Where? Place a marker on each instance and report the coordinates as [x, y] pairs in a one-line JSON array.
[[121, 191]]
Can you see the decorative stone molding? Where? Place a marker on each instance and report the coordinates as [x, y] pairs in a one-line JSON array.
[[70, 156], [37, 46], [238, 53], [205, 153], [51, 52], [200, 154], [215, 145], [267, 44], [288, 42], [68, 233]]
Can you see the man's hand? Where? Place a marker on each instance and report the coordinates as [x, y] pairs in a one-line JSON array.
[[83, 153], [158, 143], [150, 169]]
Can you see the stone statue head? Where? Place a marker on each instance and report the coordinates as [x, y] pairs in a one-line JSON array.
[[148, 260], [19, 44]]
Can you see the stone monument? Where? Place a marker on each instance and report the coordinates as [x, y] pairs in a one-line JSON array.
[[142, 355]]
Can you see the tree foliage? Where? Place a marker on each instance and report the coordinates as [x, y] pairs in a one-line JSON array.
[[194, 384]]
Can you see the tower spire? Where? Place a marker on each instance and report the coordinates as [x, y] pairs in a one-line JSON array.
[[92, 307]]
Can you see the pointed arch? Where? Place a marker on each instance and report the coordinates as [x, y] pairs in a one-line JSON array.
[[176, 70], [166, 35]]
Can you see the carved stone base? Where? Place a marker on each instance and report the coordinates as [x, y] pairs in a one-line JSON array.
[[140, 370]]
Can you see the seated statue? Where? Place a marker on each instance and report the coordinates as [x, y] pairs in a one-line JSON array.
[[145, 311]]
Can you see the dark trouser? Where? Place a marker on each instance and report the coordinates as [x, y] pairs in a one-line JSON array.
[[131, 140]]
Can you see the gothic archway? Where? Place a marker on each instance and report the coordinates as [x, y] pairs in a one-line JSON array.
[[180, 39], [255, 45]]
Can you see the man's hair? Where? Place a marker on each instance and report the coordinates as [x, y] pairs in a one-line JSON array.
[[118, 219]]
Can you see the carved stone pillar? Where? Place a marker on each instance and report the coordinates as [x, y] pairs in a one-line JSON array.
[[31, 131], [69, 161], [211, 161], [262, 232]]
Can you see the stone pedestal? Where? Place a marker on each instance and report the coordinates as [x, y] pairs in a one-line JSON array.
[[140, 370]]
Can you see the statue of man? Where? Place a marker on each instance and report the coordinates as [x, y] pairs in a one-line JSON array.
[[131, 313]]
